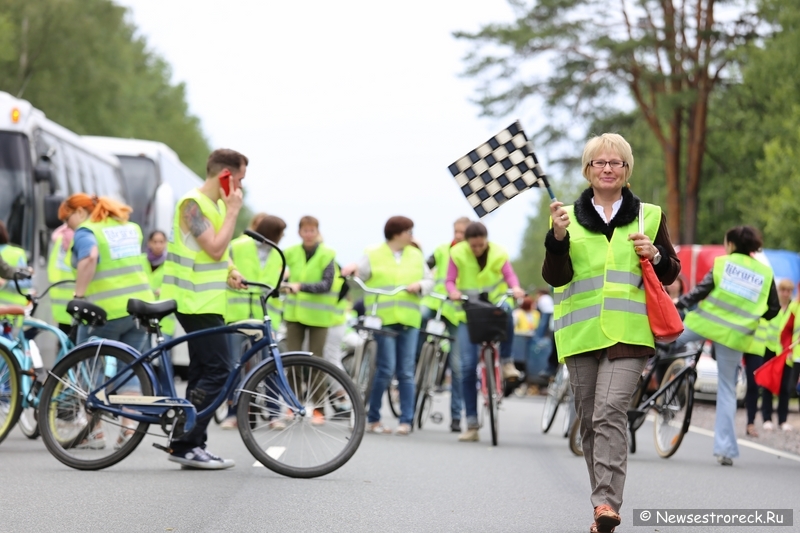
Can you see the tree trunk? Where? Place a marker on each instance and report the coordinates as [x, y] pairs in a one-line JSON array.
[[694, 162]]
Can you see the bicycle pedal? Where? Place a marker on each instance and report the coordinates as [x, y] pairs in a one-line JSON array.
[[162, 447]]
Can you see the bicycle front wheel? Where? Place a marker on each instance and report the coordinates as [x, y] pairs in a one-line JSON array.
[[673, 409], [295, 445], [426, 375], [492, 394], [555, 394], [365, 364], [10, 395], [91, 440]]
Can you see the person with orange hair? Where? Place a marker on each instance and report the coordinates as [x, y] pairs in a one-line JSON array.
[[107, 257]]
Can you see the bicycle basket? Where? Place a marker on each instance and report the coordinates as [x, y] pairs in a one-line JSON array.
[[486, 322]]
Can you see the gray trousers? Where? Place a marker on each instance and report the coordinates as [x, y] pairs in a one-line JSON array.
[[603, 391]]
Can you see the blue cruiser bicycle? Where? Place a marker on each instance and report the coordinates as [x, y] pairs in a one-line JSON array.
[[100, 400]]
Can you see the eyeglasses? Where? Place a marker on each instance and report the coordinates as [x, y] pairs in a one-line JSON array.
[[614, 163]]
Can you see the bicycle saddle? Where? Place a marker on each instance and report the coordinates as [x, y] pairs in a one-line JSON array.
[[87, 312], [148, 311]]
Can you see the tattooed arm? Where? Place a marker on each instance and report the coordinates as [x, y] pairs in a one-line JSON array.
[[194, 222]]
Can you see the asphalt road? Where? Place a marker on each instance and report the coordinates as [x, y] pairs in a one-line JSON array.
[[425, 482]]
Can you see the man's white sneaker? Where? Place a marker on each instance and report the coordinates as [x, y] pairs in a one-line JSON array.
[[768, 425], [510, 371], [199, 458], [786, 426], [470, 435]]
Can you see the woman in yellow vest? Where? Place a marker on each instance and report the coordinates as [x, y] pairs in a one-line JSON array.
[[259, 263], [107, 257], [600, 321], [59, 269], [478, 266], [16, 257], [733, 296], [395, 263]]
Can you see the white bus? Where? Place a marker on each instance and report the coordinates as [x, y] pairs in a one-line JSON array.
[[156, 180], [155, 177], [41, 163]]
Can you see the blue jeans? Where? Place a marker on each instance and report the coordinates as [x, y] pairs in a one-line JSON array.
[[453, 360], [395, 357], [120, 329], [469, 366], [727, 367]]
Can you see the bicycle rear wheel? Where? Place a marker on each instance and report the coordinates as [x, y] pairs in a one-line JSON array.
[[555, 394], [673, 409], [73, 435], [301, 446], [492, 394], [10, 395], [575, 443]]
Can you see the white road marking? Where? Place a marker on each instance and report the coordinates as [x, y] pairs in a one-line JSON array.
[[273, 451]]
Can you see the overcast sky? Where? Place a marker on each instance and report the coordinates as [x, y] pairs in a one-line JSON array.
[[349, 111]]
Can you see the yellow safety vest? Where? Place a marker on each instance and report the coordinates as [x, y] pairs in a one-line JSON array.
[[309, 309], [604, 303], [246, 303], [452, 312], [120, 273], [387, 274], [730, 314], [472, 280], [192, 278], [59, 269], [13, 255]]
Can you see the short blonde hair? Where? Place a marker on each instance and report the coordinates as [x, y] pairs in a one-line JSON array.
[[785, 283], [611, 142]]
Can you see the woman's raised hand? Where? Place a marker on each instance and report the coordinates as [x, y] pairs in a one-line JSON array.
[[560, 220]]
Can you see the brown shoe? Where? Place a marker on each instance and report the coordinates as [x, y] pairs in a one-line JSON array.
[[606, 519]]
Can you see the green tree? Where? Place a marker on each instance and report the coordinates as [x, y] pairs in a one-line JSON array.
[[667, 56], [83, 64]]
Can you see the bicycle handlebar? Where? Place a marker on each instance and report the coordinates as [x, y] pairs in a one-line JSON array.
[[509, 293], [34, 298], [381, 292], [260, 238]]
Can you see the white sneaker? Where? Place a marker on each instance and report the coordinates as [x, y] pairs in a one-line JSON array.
[[768, 425], [786, 426], [510, 371], [470, 435], [229, 423]]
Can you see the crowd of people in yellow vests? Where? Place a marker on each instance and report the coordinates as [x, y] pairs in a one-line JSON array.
[[205, 270]]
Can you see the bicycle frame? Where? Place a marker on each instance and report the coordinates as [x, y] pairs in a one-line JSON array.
[[496, 365], [149, 409]]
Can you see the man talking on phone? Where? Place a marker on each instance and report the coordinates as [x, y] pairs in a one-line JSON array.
[[197, 272]]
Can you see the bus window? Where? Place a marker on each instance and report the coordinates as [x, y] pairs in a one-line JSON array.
[[141, 179], [15, 171]]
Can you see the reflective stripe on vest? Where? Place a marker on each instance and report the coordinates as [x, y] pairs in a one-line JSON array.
[[14, 256], [758, 342], [388, 274], [731, 312], [309, 309], [58, 269], [604, 304], [195, 280], [120, 273]]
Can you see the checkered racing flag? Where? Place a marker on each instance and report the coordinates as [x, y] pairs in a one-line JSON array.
[[498, 170]]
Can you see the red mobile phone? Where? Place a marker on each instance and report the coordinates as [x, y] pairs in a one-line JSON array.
[[225, 181]]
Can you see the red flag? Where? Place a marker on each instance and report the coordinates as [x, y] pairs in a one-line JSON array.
[[786, 333], [770, 373]]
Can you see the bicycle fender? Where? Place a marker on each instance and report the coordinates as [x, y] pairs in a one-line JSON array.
[[62, 337], [10, 345], [96, 342], [253, 370]]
